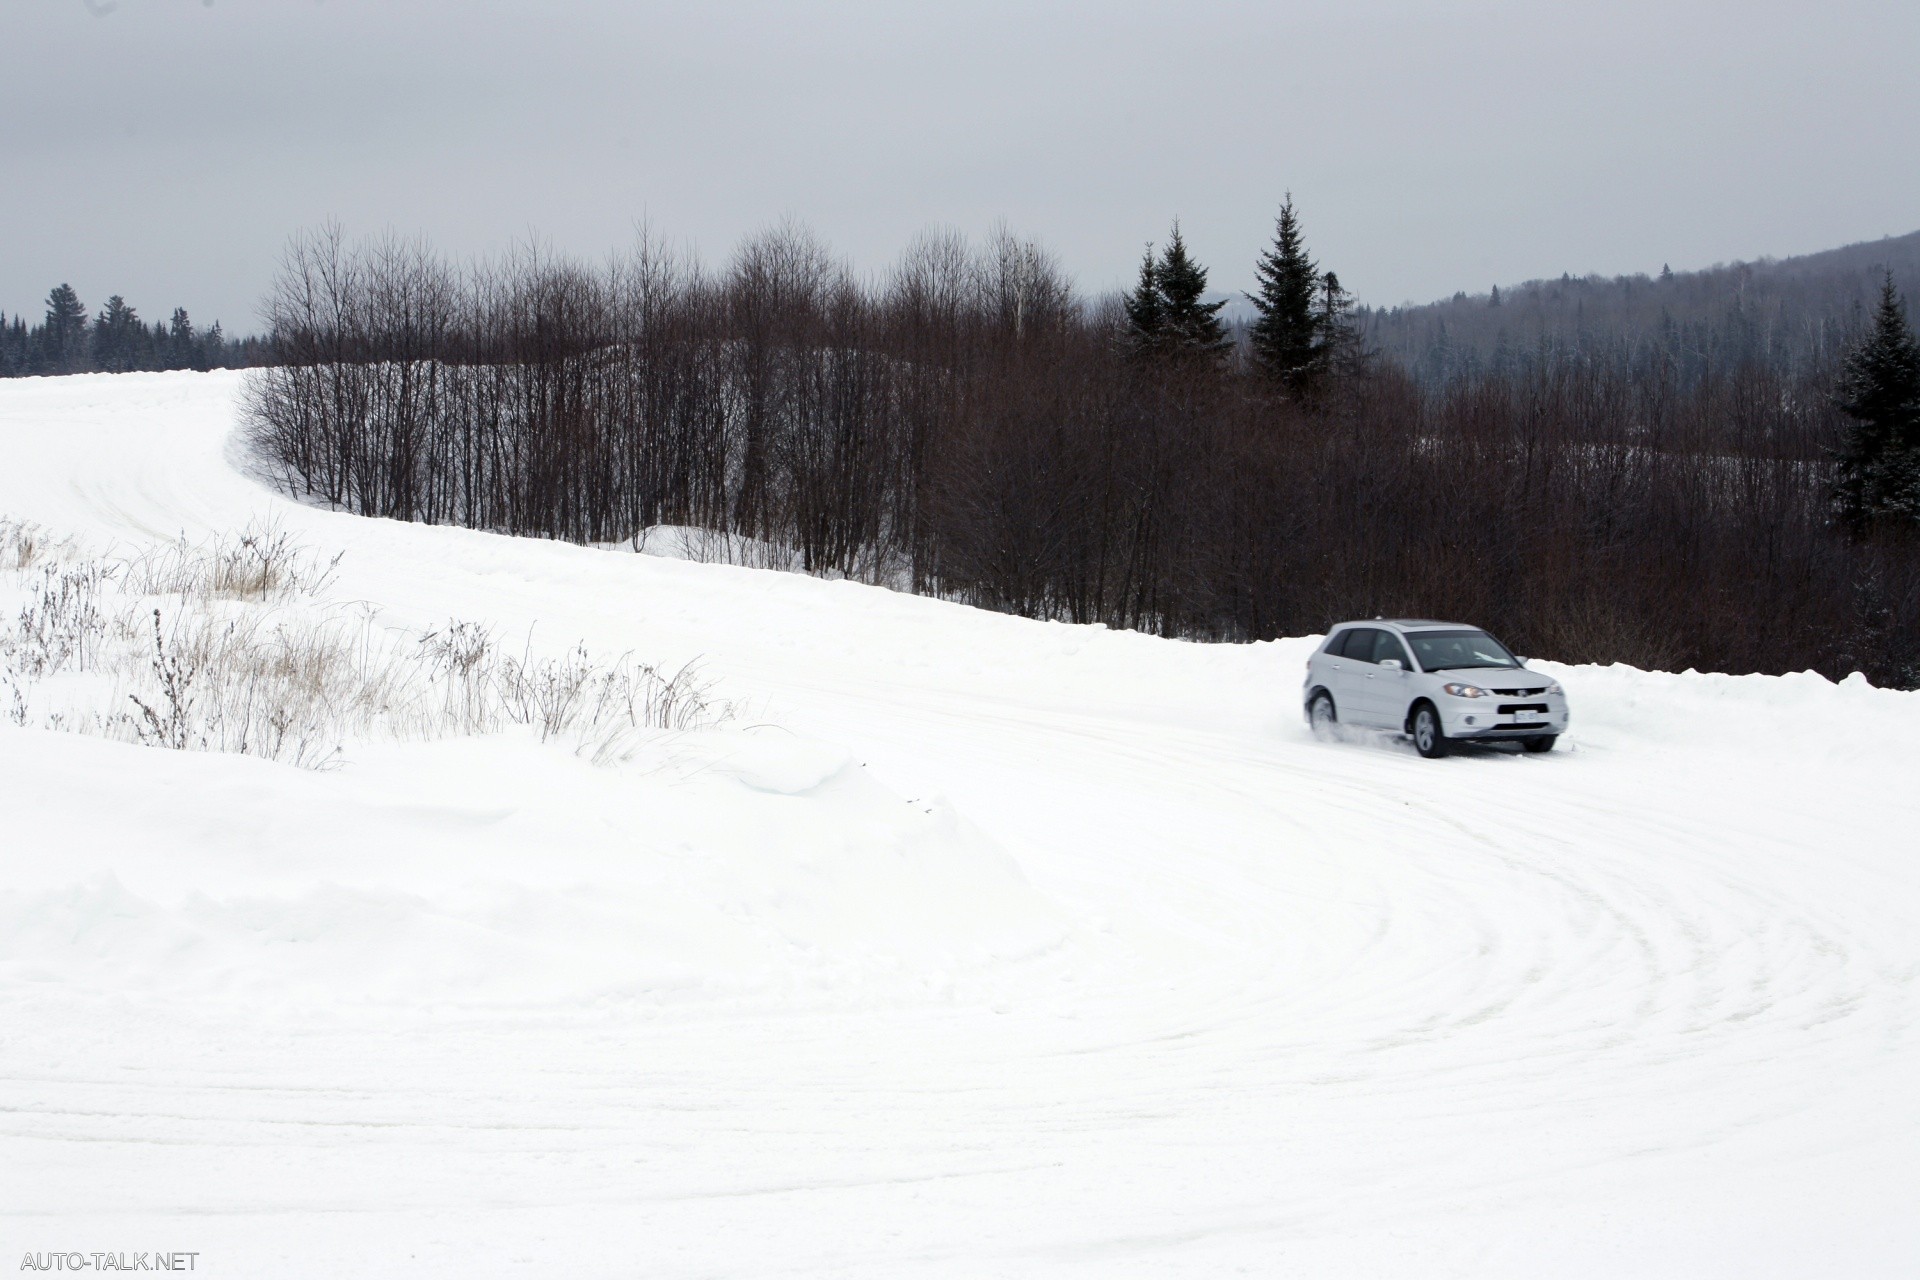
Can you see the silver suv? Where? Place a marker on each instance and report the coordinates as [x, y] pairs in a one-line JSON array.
[[1437, 682]]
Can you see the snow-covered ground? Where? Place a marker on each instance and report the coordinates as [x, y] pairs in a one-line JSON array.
[[973, 946]]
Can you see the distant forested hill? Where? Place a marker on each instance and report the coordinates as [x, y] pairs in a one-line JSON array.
[[1792, 315]]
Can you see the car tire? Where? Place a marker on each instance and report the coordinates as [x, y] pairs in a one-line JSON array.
[[1429, 735], [1540, 744], [1322, 716]]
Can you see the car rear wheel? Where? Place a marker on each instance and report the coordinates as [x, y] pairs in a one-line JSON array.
[[1321, 715], [1429, 739], [1543, 743]]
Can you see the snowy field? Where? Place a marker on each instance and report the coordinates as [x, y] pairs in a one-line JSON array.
[[969, 946]]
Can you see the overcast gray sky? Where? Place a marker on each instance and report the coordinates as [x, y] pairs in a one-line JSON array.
[[164, 149]]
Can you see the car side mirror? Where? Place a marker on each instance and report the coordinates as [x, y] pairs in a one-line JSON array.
[[1391, 664]]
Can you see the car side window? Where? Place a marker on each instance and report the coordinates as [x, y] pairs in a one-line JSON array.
[[1360, 644], [1387, 645]]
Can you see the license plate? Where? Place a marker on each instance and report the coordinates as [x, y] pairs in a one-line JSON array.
[[1528, 717]]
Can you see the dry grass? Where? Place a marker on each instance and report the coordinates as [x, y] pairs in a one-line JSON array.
[[233, 646], [262, 563]]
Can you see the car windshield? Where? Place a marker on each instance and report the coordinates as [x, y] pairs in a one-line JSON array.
[[1453, 650]]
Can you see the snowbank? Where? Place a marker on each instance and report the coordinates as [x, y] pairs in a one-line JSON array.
[[717, 865]]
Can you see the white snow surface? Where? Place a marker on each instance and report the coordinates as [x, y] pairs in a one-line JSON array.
[[977, 946]]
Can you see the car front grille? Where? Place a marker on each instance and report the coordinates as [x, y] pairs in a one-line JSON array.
[[1519, 693], [1508, 708]]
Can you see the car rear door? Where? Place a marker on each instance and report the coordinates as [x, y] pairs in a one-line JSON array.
[[1349, 663]]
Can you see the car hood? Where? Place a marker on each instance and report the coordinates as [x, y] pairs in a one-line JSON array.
[[1494, 679]]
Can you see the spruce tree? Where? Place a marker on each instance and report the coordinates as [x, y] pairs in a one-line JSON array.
[[18, 345], [1878, 464], [1286, 337], [1146, 310], [180, 349], [63, 342], [117, 335], [1336, 347], [1190, 325]]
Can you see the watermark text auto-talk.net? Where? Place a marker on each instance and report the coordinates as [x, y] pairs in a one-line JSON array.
[[173, 1260]]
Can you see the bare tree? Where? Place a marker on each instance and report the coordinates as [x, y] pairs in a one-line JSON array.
[[970, 426]]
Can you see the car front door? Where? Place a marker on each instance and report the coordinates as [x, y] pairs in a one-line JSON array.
[[1385, 685]]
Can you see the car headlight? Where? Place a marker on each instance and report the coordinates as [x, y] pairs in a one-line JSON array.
[[1555, 691], [1467, 691]]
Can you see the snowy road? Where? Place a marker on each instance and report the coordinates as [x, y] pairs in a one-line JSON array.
[[1145, 981]]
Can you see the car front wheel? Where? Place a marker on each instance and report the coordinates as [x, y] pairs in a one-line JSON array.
[[1543, 743], [1429, 739]]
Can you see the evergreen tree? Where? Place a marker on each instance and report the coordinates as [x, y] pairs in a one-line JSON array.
[[115, 340], [180, 347], [117, 337], [13, 354], [1878, 464], [1190, 325], [1438, 359], [1337, 348], [1286, 336], [63, 340], [1146, 310]]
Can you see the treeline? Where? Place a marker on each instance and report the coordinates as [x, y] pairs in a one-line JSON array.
[[969, 426], [116, 340], [1795, 315]]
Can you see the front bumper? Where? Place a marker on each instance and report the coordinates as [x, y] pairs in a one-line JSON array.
[[1488, 718]]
